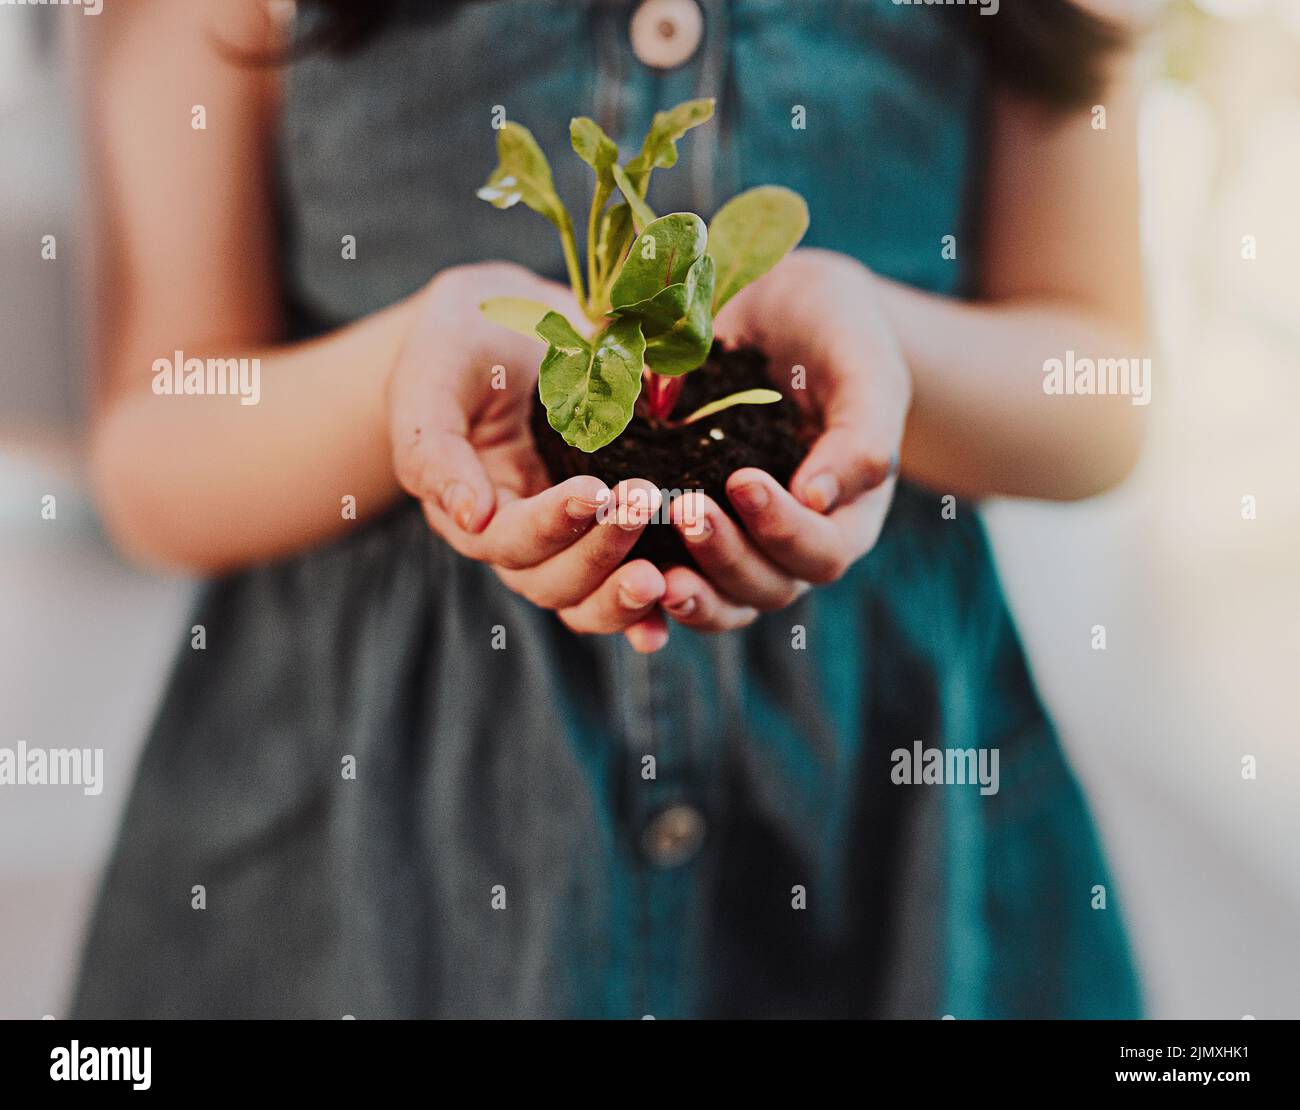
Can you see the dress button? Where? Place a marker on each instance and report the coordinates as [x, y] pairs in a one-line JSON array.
[[673, 836], [665, 33]]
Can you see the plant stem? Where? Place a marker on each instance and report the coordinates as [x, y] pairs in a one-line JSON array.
[[662, 393], [595, 280], [571, 262]]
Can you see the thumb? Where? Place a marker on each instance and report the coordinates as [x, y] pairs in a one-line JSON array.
[[448, 472], [434, 460], [840, 467]]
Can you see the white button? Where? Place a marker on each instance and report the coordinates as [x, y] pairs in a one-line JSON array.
[[673, 836], [665, 33]]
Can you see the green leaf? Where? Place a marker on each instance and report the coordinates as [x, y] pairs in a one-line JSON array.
[[594, 147], [589, 388], [751, 233], [684, 344], [523, 173], [642, 214], [667, 284], [614, 237], [744, 397], [661, 256], [516, 313], [660, 146]]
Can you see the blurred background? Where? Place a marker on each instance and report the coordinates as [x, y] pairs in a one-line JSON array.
[[1201, 606]]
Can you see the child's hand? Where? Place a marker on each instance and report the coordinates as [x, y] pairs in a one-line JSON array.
[[816, 309], [459, 402]]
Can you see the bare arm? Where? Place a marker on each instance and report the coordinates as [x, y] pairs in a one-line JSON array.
[[1060, 270], [185, 261], [959, 384], [402, 400]]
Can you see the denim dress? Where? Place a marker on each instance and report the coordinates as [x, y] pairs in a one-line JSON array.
[[407, 792]]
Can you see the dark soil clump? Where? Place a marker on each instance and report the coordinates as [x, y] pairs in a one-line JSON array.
[[699, 456]]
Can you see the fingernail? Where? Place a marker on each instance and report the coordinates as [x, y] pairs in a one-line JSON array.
[[634, 511], [822, 492], [638, 505], [584, 508], [629, 600], [458, 500], [751, 498], [696, 529], [683, 608]]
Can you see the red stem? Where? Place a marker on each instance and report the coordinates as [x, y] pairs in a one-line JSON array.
[[662, 393]]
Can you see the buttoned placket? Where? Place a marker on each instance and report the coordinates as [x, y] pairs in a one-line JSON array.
[[669, 719], [625, 80]]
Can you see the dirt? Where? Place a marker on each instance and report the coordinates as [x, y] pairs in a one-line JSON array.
[[698, 456]]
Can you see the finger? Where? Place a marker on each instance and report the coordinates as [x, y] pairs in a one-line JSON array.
[[727, 558], [843, 464], [801, 542], [623, 599], [693, 602], [649, 634], [530, 530], [432, 457], [568, 577], [462, 541], [439, 465], [435, 392]]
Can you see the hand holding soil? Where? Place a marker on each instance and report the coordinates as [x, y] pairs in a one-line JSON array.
[[771, 489], [467, 451], [459, 399], [831, 349]]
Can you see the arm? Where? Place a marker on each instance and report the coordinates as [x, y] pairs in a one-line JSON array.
[[1060, 270], [185, 261], [401, 401]]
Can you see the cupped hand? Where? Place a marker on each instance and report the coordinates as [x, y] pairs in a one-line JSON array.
[[816, 310], [459, 402], [460, 399]]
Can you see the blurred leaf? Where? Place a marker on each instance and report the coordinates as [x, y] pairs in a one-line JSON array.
[[642, 214], [595, 148], [516, 313], [615, 235], [659, 150], [751, 233], [523, 173]]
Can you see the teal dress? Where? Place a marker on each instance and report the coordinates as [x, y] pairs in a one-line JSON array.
[[406, 791]]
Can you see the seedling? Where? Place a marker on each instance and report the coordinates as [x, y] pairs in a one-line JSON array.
[[653, 285]]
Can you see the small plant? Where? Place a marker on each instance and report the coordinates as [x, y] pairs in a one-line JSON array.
[[653, 285]]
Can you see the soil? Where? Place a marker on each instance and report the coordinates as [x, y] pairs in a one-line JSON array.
[[698, 456]]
